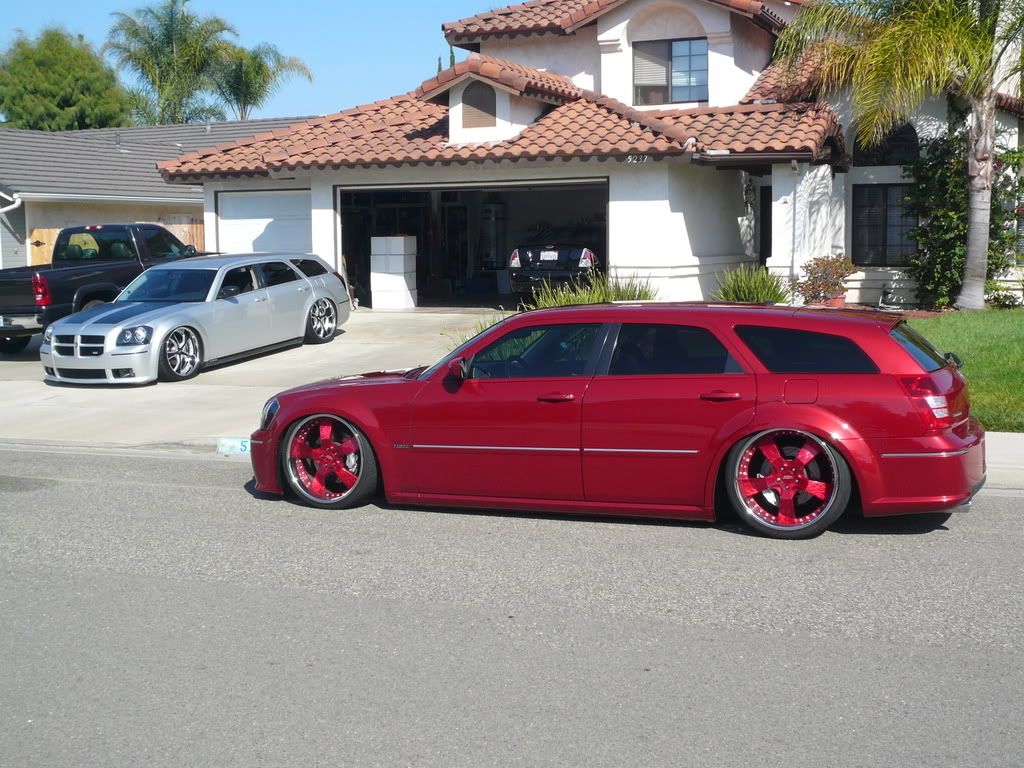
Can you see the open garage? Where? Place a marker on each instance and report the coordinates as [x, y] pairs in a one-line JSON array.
[[465, 234]]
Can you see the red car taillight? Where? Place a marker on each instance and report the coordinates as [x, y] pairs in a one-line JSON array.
[[513, 260], [587, 259], [931, 402], [41, 291]]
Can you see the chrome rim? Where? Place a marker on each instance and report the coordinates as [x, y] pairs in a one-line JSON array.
[[181, 350], [324, 458], [786, 478], [324, 319]]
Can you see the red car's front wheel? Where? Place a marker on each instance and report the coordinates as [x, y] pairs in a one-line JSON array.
[[787, 483], [328, 462]]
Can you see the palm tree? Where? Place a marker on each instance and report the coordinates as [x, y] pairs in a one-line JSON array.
[[246, 78], [172, 52], [893, 54]]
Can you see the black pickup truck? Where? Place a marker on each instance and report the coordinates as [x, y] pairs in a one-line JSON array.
[[90, 266]]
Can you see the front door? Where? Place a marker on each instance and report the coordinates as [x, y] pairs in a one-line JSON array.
[[512, 428], [764, 225], [243, 321], [651, 422]]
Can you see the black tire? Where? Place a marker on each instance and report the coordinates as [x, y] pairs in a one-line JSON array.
[[180, 343], [14, 345], [321, 322], [93, 303], [783, 501], [299, 471]]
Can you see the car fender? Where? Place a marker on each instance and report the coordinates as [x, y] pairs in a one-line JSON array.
[[360, 414], [806, 418], [86, 293]]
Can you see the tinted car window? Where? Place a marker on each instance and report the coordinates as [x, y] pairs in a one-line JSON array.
[[922, 350], [241, 277], [537, 351], [653, 349], [161, 244], [277, 273], [786, 350], [94, 245], [309, 267]]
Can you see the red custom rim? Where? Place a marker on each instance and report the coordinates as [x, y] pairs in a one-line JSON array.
[[324, 458], [786, 478]]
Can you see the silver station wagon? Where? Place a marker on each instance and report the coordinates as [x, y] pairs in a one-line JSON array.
[[177, 318]]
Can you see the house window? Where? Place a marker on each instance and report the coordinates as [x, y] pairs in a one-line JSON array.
[[900, 147], [479, 108], [670, 71], [881, 225]]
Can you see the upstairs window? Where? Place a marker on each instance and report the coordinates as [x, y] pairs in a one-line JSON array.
[[670, 71], [900, 147], [479, 108]]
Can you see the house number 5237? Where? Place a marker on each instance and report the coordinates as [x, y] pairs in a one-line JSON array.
[[638, 158]]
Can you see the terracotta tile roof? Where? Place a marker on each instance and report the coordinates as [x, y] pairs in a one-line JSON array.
[[410, 130], [537, 17], [524, 80]]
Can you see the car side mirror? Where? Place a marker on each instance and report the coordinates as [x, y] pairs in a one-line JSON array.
[[954, 358], [229, 292], [458, 368], [190, 250]]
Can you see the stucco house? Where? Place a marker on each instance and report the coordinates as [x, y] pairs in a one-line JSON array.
[[657, 126], [51, 180]]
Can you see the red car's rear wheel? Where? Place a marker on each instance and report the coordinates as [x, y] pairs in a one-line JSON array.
[[328, 462], [787, 483]]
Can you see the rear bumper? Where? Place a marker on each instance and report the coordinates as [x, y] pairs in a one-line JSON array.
[[928, 474], [22, 321]]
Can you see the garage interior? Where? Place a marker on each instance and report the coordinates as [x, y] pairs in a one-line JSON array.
[[465, 235]]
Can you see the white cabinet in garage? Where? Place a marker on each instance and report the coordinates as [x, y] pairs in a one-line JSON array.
[[264, 221]]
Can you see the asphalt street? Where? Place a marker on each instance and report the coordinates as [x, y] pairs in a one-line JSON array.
[[153, 612]]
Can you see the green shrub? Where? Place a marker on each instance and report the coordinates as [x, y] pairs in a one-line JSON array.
[[752, 284], [595, 288], [998, 297]]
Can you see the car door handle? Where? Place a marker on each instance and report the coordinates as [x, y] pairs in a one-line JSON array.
[[259, 299], [303, 288], [718, 395], [556, 397]]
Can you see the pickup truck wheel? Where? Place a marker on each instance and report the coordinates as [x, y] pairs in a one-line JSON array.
[[181, 355], [93, 304], [12, 346]]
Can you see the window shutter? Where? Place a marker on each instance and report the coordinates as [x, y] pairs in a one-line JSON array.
[[479, 109], [651, 63]]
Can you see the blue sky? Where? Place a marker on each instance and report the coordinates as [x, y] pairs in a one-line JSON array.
[[358, 51]]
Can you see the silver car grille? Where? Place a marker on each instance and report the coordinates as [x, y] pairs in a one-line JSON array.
[[78, 346]]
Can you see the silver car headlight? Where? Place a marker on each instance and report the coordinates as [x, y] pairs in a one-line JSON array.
[[48, 334], [269, 411], [138, 334]]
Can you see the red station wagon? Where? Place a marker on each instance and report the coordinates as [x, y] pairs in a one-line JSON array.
[[656, 410]]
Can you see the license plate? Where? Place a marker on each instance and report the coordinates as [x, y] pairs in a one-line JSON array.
[[549, 255]]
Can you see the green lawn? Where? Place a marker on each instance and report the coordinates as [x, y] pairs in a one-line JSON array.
[[991, 343]]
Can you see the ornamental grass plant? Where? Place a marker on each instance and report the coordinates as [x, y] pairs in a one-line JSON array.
[[752, 284]]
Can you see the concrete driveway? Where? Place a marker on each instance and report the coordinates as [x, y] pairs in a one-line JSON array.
[[221, 403]]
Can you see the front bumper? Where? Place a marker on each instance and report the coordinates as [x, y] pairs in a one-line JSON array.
[[263, 455], [106, 363]]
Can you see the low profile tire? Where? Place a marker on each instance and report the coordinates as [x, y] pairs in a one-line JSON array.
[[181, 355], [328, 462], [787, 484], [322, 322]]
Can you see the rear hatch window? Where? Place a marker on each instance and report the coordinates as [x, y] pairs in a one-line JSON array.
[[561, 257], [918, 347]]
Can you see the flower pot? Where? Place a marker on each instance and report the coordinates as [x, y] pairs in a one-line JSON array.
[[836, 301]]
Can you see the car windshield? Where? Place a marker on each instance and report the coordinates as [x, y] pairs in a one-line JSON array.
[[170, 285]]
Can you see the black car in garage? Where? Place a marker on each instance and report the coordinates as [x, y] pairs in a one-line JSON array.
[[558, 256]]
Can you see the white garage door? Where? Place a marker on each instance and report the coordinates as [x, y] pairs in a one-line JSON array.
[[264, 221]]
